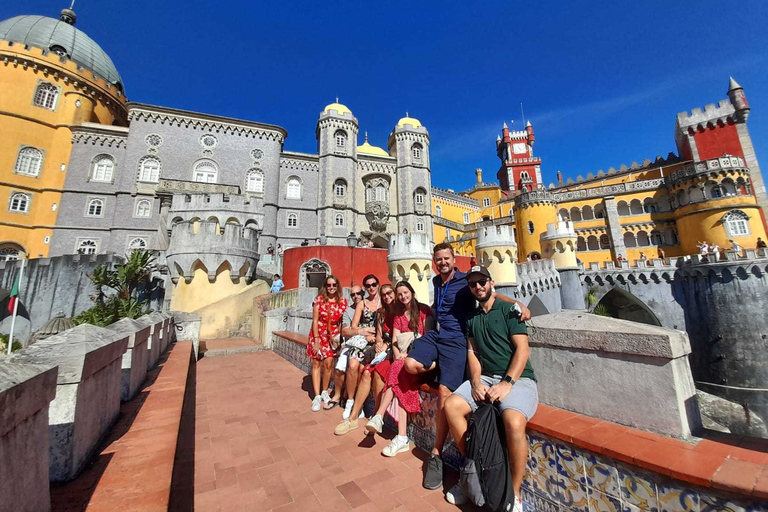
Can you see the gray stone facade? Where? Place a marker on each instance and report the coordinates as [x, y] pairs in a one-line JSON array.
[[127, 187]]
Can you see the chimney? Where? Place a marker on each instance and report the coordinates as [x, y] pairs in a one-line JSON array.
[[559, 179], [479, 174]]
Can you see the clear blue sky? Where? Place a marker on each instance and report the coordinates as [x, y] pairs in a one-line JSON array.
[[601, 81]]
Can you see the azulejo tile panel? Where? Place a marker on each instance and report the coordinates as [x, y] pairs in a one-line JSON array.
[[601, 474], [638, 489], [675, 499], [599, 502]]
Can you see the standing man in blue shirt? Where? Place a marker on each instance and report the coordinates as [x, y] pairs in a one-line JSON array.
[[446, 348]]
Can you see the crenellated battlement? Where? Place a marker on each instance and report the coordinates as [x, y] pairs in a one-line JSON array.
[[560, 229], [700, 118], [534, 197], [724, 164], [495, 236], [409, 247]]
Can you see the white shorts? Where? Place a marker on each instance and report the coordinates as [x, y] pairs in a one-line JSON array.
[[341, 362]]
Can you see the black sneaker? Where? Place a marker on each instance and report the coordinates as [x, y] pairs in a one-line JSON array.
[[433, 476]]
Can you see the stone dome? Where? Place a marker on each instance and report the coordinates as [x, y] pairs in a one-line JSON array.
[[61, 37], [338, 107], [54, 326]]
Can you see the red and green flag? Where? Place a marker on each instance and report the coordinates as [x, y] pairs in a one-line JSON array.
[[10, 302]]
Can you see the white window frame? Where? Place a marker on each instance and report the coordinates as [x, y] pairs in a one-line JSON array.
[[100, 171], [293, 188], [339, 221], [9, 253], [736, 224], [148, 174], [46, 95], [256, 178], [466, 218], [292, 216], [438, 211], [419, 198], [340, 188], [29, 161], [133, 240], [137, 213], [207, 176], [90, 204], [26, 201], [420, 226], [486, 202], [85, 242], [341, 139], [416, 150]]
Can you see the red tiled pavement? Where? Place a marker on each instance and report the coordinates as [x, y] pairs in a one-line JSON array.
[[259, 447]]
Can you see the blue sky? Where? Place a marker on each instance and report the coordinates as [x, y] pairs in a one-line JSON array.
[[600, 81]]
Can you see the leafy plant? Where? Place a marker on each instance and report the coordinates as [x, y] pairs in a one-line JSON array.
[[591, 296], [601, 310], [124, 280], [4, 345]]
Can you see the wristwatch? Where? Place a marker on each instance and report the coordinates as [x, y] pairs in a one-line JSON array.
[[508, 379]]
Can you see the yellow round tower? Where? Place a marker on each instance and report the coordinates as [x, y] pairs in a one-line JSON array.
[[533, 211], [715, 203], [497, 251], [558, 243], [410, 259], [52, 77]]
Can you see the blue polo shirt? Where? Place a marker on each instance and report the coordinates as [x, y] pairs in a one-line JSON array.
[[453, 304]]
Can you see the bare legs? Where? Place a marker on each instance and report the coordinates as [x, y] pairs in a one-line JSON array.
[[316, 368], [326, 367], [363, 388], [327, 371], [456, 411], [338, 384], [353, 377], [378, 387]]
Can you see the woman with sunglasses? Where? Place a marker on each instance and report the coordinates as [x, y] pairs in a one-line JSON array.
[[414, 321], [327, 311], [365, 317]]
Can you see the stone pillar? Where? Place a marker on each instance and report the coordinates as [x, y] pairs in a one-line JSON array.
[[614, 227], [571, 293], [410, 259], [497, 250]]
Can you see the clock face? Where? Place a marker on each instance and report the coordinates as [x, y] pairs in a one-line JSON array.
[[519, 148]]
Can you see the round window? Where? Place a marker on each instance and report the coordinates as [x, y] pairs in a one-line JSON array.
[[208, 141]]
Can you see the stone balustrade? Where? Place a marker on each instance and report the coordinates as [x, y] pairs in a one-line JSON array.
[[84, 373]]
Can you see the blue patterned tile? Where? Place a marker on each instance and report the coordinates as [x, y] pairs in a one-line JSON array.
[[673, 497], [599, 502], [638, 489], [711, 503], [601, 474], [543, 468]]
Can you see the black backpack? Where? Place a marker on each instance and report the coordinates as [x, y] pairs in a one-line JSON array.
[[485, 476]]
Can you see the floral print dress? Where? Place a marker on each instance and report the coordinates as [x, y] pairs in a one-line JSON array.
[[328, 324]]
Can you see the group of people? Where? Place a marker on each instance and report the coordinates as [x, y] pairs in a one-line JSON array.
[[705, 248], [471, 344]]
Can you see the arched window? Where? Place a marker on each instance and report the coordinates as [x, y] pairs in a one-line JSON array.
[[136, 244], [95, 208], [293, 220], [586, 213], [599, 211], [144, 208], [642, 239], [575, 214], [525, 177], [581, 244], [46, 95], [205, 171], [19, 203], [466, 217], [254, 181], [630, 240], [486, 201], [656, 238], [716, 192], [9, 253], [340, 188], [592, 243], [736, 223], [341, 139], [605, 242], [438, 211], [419, 197], [103, 168], [293, 188], [531, 227], [416, 150], [419, 226], [29, 161], [149, 169], [87, 246], [339, 220], [622, 208], [636, 207], [650, 206]]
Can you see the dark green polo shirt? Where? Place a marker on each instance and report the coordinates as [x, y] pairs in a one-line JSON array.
[[491, 332]]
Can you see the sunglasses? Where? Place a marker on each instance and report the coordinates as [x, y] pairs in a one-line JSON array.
[[331, 285], [480, 282], [371, 285], [361, 294]]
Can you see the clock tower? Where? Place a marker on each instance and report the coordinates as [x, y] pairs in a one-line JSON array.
[[520, 170]]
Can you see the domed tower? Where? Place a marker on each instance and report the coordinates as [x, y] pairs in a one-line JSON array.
[[53, 77], [497, 251], [336, 132], [533, 211], [410, 259], [409, 144]]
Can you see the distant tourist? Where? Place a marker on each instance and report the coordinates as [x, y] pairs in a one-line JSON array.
[[761, 243], [715, 250], [270, 250], [370, 244], [305, 243], [499, 372], [643, 257], [661, 253], [735, 247], [280, 251], [325, 338], [277, 284], [619, 258], [703, 248]]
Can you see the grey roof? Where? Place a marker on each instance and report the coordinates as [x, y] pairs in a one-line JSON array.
[[44, 32]]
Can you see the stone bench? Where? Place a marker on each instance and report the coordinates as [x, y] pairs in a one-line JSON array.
[[582, 464], [25, 392]]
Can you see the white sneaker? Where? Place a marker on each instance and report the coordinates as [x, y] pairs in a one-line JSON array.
[[395, 447], [317, 403], [347, 409], [518, 505], [456, 496], [362, 414], [375, 424], [326, 397]]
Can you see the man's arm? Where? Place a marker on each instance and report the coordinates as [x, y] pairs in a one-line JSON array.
[[479, 390], [515, 369], [525, 313]]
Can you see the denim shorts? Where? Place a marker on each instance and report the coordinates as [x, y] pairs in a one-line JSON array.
[[523, 397]]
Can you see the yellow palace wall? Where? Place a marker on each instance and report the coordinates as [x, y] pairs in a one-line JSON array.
[[24, 124]]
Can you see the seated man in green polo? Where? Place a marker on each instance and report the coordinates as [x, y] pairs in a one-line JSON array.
[[499, 371]]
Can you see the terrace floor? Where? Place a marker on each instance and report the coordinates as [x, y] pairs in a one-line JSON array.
[[259, 447]]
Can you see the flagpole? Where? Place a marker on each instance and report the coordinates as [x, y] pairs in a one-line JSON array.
[[16, 307]]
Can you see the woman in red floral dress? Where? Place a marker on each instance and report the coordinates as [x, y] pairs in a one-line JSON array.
[[327, 311]]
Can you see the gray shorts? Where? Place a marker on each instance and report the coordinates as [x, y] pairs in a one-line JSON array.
[[523, 397]]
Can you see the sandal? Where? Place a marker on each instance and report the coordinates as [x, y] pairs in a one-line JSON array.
[[330, 405]]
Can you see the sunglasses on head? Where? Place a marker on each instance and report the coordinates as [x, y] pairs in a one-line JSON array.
[[480, 282], [371, 285]]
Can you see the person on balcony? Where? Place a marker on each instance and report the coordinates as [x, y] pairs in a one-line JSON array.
[[277, 284]]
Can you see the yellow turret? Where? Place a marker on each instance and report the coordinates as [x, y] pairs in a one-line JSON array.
[[497, 251], [533, 211], [558, 243]]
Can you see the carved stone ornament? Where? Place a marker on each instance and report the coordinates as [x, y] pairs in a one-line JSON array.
[[377, 213]]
